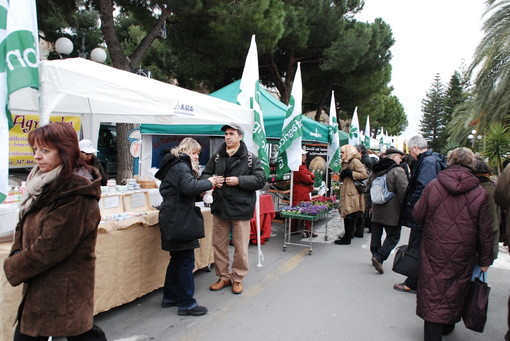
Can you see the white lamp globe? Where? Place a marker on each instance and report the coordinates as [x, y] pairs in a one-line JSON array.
[[98, 55], [471, 136], [64, 45], [473, 131]]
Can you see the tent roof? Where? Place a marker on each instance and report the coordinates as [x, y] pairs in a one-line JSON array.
[[274, 113], [100, 93]]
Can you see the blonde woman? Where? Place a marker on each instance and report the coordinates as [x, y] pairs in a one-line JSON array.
[[178, 173], [352, 203]]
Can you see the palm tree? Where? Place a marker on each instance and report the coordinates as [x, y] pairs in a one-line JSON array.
[[492, 60]]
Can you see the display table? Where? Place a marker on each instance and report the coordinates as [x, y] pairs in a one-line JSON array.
[[267, 213], [130, 264]]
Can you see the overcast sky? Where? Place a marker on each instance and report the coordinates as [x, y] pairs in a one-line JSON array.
[[433, 36]]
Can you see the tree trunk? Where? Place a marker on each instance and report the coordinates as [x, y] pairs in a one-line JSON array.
[[124, 158], [121, 61]]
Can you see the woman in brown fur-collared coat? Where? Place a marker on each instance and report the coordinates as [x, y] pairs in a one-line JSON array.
[[352, 203], [53, 254]]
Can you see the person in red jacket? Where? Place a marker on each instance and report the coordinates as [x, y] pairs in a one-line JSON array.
[[303, 187]]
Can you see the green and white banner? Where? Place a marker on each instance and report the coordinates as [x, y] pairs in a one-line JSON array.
[[19, 61], [289, 147], [354, 130], [335, 160], [249, 97]]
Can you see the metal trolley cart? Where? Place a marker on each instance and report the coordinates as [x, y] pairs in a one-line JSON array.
[[288, 219]]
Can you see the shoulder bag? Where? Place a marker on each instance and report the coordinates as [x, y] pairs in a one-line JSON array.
[[361, 185], [407, 261], [476, 305], [186, 223]]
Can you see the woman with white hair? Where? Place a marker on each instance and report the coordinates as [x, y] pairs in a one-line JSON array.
[[456, 236]]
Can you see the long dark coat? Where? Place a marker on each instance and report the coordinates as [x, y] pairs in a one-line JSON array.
[[56, 240], [235, 202], [456, 235], [176, 171]]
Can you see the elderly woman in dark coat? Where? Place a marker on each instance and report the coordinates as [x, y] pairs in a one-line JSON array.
[[178, 172], [53, 251], [456, 235]]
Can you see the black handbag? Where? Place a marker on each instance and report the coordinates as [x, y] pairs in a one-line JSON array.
[[186, 223], [361, 185], [476, 305], [407, 261]]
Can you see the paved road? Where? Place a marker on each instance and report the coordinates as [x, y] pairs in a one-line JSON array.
[[334, 294]]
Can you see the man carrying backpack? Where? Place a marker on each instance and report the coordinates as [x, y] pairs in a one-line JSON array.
[[387, 186]]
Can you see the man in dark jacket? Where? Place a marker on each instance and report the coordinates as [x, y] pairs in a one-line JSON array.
[[425, 169], [385, 216], [233, 205]]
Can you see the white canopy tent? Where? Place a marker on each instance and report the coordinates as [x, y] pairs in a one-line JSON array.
[[99, 93]]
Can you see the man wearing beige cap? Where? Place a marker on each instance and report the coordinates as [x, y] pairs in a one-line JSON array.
[[239, 174]]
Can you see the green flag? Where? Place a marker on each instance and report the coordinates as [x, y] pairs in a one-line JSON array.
[[19, 63], [335, 160], [249, 97], [289, 147]]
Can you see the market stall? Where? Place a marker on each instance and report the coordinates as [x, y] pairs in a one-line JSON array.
[[130, 264]]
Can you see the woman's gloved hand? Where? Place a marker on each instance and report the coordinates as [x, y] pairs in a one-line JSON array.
[[346, 173]]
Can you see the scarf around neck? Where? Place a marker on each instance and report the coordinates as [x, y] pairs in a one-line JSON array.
[[36, 181]]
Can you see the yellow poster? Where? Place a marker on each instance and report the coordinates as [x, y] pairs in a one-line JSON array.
[[20, 152]]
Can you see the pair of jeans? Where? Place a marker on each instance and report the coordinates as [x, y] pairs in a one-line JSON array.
[[179, 281], [414, 242], [382, 252], [94, 334]]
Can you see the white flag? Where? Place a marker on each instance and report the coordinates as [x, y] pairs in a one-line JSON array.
[[249, 97], [354, 130], [366, 141], [19, 63], [289, 147], [335, 160]]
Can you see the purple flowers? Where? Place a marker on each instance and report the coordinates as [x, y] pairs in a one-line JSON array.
[[307, 208]]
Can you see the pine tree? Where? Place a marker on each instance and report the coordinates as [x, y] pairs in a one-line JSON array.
[[433, 108], [455, 95]]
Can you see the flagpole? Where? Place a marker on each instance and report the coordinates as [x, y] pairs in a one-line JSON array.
[[257, 220]]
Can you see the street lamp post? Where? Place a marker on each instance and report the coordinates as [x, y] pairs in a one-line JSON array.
[[64, 45], [473, 137]]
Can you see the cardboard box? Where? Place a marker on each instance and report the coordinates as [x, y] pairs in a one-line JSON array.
[[136, 201], [111, 204]]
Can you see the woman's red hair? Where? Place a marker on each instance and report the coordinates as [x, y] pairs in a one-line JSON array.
[[63, 137]]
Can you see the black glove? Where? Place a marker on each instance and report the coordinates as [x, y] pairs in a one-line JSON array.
[[346, 173]]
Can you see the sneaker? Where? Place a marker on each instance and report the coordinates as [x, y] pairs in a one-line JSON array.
[[377, 265], [197, 310], [404, 288]]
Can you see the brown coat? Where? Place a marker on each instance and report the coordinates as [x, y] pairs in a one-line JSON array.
[[53, 255], [457, 235], [502, 197], [350, 199]]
